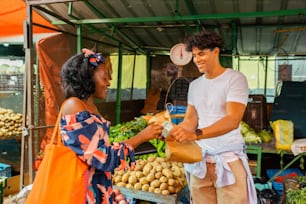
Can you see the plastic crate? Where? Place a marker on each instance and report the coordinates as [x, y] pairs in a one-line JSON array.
[[11, 82], [256, 112], [279, 186], [5, 170]]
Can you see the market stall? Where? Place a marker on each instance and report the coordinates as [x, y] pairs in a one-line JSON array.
[[82, 19]]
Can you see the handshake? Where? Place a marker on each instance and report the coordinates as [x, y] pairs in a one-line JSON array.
[[163, 119]]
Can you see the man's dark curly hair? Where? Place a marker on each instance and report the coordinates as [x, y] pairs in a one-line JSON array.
[[77, 77], [204, 40]]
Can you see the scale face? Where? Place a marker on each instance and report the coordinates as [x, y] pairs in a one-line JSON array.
[[179, 55]]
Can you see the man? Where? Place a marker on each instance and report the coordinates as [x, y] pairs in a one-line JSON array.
[[216, 104]]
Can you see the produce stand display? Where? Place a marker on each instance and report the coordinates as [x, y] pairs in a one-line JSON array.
[[10, 136], [269, 148]]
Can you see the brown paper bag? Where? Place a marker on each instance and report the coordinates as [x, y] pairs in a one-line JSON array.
[[189, 152]]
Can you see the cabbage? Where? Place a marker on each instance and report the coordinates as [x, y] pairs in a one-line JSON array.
[[266, 136]]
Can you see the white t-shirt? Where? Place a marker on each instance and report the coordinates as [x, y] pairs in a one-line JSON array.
[[209, 97]]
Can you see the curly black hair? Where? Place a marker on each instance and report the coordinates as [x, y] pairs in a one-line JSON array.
[[204, 40], [77, 77]]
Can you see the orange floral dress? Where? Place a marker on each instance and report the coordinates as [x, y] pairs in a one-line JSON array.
[[87, 135]]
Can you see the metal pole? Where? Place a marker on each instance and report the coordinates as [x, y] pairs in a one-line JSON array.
[[118, 100], [28, 119]]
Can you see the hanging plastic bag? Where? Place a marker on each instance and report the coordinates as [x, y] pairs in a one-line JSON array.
[[283, 132]]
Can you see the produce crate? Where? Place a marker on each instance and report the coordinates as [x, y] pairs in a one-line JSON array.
[[253, 166], [154, 197], [5, 170], [256, 112], [279, 186]]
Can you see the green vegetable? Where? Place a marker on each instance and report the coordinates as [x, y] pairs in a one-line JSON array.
[[249, 134], [266, 136], [124, 131]]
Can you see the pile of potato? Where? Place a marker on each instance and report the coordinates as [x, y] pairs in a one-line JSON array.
[[10, 123], [153, 175]]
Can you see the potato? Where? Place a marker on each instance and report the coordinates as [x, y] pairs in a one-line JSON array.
[[165, 192], [158, 167], [125, 177], [163, 186], [150, 177], [143, 180], [153, 171], [151, 158], [176, 171], [128, 185], [165, 165], [132, 179], [132, 172], [147, 168], [139, 174], [139, 167], [155, 183], [157, 190], [151, 189], [171, 189], [145, 187], [158, 175], [159, 159], [172, 182], [137, 186], [167, 173], [163, 179], [121, 184], [117, 179]]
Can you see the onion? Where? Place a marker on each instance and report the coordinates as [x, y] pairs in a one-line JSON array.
[[119, 197], [116, 191], [123, 202]]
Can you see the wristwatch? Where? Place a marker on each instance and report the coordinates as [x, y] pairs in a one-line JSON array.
[[198, 132]]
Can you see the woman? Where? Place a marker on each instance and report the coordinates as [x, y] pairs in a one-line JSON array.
[[87, 76]]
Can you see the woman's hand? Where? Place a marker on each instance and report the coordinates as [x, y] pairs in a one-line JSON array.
[[182, 135], [152, 131]]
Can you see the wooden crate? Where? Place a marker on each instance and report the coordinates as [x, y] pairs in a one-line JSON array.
[[153, 197]]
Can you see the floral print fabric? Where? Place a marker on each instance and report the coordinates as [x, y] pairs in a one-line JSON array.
[[87, 135]]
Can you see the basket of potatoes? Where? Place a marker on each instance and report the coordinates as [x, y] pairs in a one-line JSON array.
[[155, 175], [10, 124]]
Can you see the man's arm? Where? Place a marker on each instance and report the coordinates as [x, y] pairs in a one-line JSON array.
[[231, 121]]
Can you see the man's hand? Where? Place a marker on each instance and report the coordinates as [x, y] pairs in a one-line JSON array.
[[181, 135]]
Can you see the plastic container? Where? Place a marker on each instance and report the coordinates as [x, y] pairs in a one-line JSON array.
[[5, 170]]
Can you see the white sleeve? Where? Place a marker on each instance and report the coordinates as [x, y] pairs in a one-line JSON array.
[[238, 90]]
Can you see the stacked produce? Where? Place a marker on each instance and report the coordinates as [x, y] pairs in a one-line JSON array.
[[10, 123], [251, 136], [153, 175]]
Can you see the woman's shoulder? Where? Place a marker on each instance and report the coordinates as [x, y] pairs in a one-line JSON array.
[[73, 105]]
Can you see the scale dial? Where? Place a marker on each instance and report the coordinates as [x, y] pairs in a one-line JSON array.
[[179, 56]]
